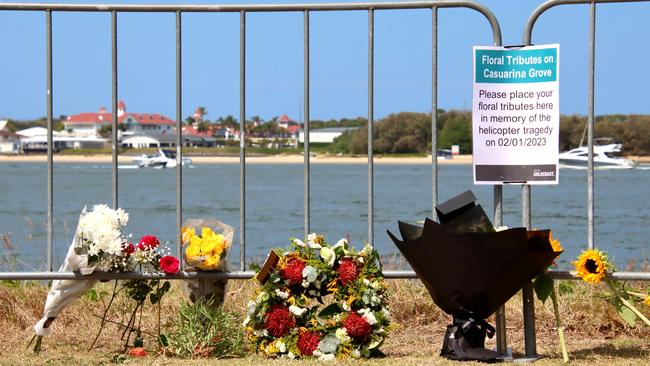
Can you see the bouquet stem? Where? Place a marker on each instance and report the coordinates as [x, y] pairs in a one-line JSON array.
[[558, 324], [629, 305], [110, 302], [37, 345]]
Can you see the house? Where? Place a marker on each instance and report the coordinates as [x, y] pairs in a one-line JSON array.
[[284, 121], [9, 141], [137, 130], [324, 135]]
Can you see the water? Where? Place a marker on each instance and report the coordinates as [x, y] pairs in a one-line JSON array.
[[274, 209]]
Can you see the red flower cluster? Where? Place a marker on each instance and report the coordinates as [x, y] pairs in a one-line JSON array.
[[292, 271], [148, 242], [357, 327], [347, 271], [169, 264], [308, 342], [137, 352], [279, 321], [128, 249]]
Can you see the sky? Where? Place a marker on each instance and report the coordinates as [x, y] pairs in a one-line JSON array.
[[338, 62]]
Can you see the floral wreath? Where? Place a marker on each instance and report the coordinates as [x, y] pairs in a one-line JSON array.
[[286, 320]]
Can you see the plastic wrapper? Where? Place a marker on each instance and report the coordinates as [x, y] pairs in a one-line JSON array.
[[206, 244]]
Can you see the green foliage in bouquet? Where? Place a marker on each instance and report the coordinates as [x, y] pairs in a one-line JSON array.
[[286, 318], [205, 330]]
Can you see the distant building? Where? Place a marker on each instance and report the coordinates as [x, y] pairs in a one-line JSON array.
[[9, 141], [324, 135], [284, 121], [149, 126], [137, 130]]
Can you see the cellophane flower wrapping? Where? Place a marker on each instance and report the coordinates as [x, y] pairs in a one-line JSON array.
[[96, 246], [206, 244]]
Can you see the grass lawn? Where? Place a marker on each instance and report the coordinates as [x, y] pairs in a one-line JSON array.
[[594, 332]]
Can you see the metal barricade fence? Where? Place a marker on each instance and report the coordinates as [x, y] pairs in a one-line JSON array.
[[243, 10]]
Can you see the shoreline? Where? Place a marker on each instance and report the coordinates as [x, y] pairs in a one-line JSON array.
[[269, 159]]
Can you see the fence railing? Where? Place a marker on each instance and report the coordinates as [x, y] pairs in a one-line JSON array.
[[178, 10]]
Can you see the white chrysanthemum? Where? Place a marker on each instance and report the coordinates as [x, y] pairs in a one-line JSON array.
[[246, 321], [328, 256], [299, 243], [312, 241], [281, 294], [345, 305], [297, 311], [341, 243], [342, 335], [368, 315]]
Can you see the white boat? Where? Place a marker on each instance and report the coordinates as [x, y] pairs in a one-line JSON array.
[[162, 159], [606, 152]]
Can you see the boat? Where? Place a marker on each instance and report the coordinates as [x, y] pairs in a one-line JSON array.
[[162, 159], [606, 152]]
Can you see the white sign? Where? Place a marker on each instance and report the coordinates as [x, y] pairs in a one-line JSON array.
[[516, 114]]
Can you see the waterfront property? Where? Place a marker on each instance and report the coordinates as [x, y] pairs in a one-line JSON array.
[[9, 141]]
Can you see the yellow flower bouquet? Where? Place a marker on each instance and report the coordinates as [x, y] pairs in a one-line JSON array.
[[206, 243]]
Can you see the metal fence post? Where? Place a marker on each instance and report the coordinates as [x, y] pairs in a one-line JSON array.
[[307, 170], [242, 140], [371, 120], [50, 139], [114, 122]]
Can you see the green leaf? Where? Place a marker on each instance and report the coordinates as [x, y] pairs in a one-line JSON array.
[[627, 315], [565, 287], [92, 295], [543, 286], [166, 286], [162, 340], [153, 298], [138, 342], [330, 310]]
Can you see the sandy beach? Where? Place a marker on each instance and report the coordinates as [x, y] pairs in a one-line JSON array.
[[270, 159]]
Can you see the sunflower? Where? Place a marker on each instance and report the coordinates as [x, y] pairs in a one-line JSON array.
[[592, 265], [555, 244]]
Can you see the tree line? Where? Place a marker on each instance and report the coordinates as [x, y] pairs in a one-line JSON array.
[[410, 132]]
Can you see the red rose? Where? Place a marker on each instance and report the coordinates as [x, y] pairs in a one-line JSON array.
[[292, 271], [347, 271], [279, 321], [137, 352], [169, 264], [148, 242], [308, 342], [128, 249], [357, 327]]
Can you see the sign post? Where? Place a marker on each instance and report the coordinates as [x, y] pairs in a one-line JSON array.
[[516, 115]]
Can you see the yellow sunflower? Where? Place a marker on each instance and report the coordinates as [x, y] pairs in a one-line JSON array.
[[592, 265]]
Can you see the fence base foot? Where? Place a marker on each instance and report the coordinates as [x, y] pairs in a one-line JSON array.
[[506, 357], [528, 359]]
